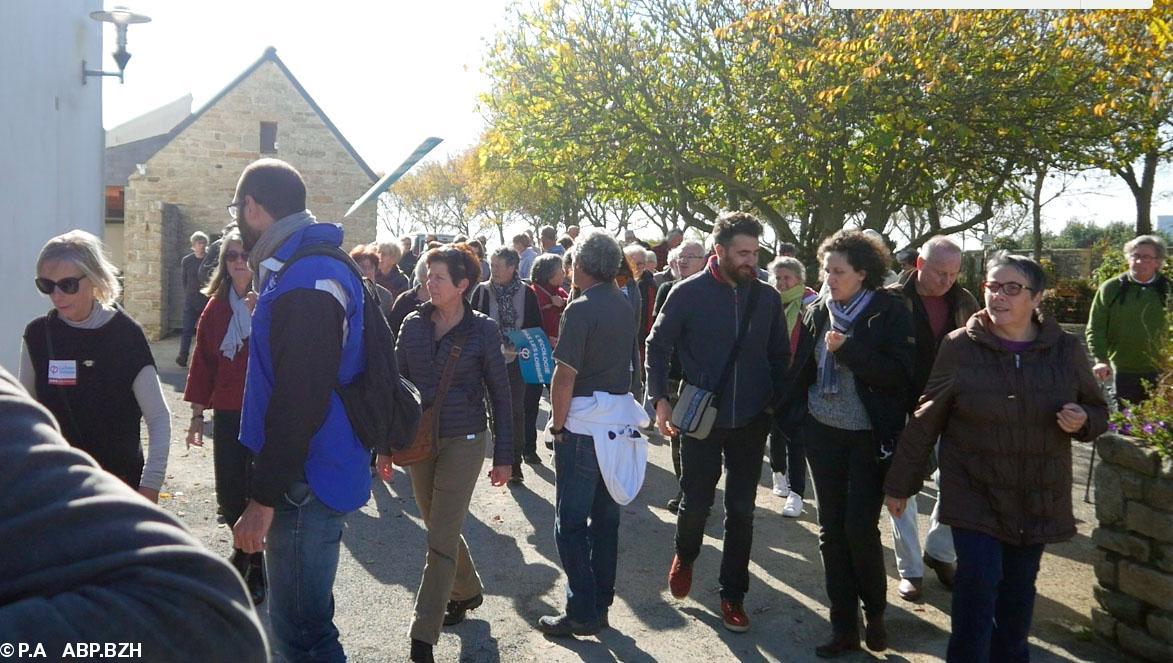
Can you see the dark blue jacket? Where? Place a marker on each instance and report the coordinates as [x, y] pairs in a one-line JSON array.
[[700, 321], [480, 365]]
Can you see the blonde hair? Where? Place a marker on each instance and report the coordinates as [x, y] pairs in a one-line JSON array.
[[390, 249], [87, 253]]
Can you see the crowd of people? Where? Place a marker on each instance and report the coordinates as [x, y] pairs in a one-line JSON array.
[[873, 381]]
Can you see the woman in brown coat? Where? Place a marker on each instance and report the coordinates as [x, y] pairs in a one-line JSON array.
[[1006, 395]]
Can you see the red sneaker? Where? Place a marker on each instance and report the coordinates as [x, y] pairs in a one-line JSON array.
[[734, 617], [679, 577]]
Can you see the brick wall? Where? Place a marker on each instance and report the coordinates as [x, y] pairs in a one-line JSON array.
[[1134, 549], [197, 172]]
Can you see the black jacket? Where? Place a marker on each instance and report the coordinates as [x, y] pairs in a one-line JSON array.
[[480, 366], [879, 352], [699, 322]]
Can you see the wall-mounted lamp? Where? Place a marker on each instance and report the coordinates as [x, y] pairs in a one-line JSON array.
[[120, 17]]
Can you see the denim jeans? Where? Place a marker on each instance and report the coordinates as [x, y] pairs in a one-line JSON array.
[[849, 481], [786, 456], [993, 598], [193, 306], [700, 469], [586, 528], [301, 561]]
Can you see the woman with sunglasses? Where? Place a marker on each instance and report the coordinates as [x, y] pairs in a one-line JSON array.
[[1006, 395], [89, 363], [216, 380]]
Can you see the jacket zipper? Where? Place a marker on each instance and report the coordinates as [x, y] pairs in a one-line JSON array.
[[1021, 417], [736, 329]]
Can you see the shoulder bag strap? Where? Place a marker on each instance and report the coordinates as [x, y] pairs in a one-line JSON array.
[[754, 289], [449, 370]]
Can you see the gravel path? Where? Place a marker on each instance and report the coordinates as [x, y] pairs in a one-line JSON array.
[[510, 533]]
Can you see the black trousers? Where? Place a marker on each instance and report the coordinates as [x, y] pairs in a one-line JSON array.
[[533, 400], [849, 486], [233, 464], [787, 456], [517, 402], [1129, 387], [701, 460]]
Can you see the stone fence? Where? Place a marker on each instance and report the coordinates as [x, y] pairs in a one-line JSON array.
[[1134, 549]]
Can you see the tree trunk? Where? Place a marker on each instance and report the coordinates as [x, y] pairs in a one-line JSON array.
[[1144, 197], [1036, 210]]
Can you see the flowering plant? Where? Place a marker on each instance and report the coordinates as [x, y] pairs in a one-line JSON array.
[[1151, 421]]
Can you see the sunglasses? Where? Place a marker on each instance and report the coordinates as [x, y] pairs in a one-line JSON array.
[[68, 285], [1011, 288], [234, 255]]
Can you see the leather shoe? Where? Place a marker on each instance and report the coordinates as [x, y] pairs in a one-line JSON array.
[[838, 645], [734, 617], [875, 634], [421, 652], [945, 571], [562, 625], [454, 613], [909, 588], [674, 504], [679, 577]]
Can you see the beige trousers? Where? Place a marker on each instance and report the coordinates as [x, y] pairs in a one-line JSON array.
[[443, 489]]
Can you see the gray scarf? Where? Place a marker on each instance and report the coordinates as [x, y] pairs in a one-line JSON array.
[[239, 327], [504, 296], [272, 240]]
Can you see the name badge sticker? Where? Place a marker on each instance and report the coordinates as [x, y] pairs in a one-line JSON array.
[[63, 372]]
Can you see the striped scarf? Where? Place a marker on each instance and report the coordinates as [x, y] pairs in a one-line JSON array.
[[843, 318]]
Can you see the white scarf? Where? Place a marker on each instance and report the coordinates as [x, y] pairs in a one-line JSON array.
[[239, 327]]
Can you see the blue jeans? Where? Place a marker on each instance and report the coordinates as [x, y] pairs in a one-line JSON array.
[[301, 561], [588, 550], [993, 598], [193, 306]]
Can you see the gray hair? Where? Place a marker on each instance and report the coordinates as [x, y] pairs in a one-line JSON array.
[[1154, 241], [421, 271], [598, 254], [390, 249], [939, 246], [693, 243], [792, 264], [198, 236], [632, 249], [88, 254], [508, 255], [544, 267], [674, 254]]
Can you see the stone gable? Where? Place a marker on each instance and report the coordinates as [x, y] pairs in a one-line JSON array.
[[194, 176]]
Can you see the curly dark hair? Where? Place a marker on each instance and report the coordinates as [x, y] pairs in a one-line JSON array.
[[462, 263], [863, 253], [731, 224]]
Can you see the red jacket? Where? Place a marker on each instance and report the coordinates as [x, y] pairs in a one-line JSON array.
[[551, 314], [213, 380]]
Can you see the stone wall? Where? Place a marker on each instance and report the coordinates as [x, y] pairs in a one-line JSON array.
[[1134, 549], [197, 172]]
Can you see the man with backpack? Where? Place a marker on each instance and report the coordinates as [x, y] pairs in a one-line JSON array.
[[727, 330], [1129, 319], [311, 468]]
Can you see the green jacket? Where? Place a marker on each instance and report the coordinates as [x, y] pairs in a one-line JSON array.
[[1128, 323]]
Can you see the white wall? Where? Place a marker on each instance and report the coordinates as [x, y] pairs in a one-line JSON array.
[[50, 145]]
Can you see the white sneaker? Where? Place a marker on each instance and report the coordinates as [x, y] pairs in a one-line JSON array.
[[781, 484], [793, 508]]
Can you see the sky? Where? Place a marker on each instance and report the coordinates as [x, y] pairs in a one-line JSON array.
[[389, 73]]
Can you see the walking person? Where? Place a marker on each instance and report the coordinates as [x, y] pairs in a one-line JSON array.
[[690, 260], [366, 256], [787, 459], [446, 336], [853, 382], [1128, 322], [193, 296], [548, 277], [729, 335], [938, 305], [410, 300], [311, 470], [1006, 395], [593, 424], [90, 364], [512, 305], [389, 275], [216, 382]]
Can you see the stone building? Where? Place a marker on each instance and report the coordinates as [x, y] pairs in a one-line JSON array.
[[179, 182]]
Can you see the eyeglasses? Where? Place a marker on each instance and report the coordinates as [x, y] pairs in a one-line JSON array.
[[234, 255], [234, 209], [687, 258], [1011, 288], [68, 285], [1143, 258]]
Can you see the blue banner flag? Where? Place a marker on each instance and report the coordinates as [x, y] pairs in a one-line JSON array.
[[534, 354]]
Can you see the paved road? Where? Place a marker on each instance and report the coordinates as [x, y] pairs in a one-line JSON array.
[[510, 533]]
